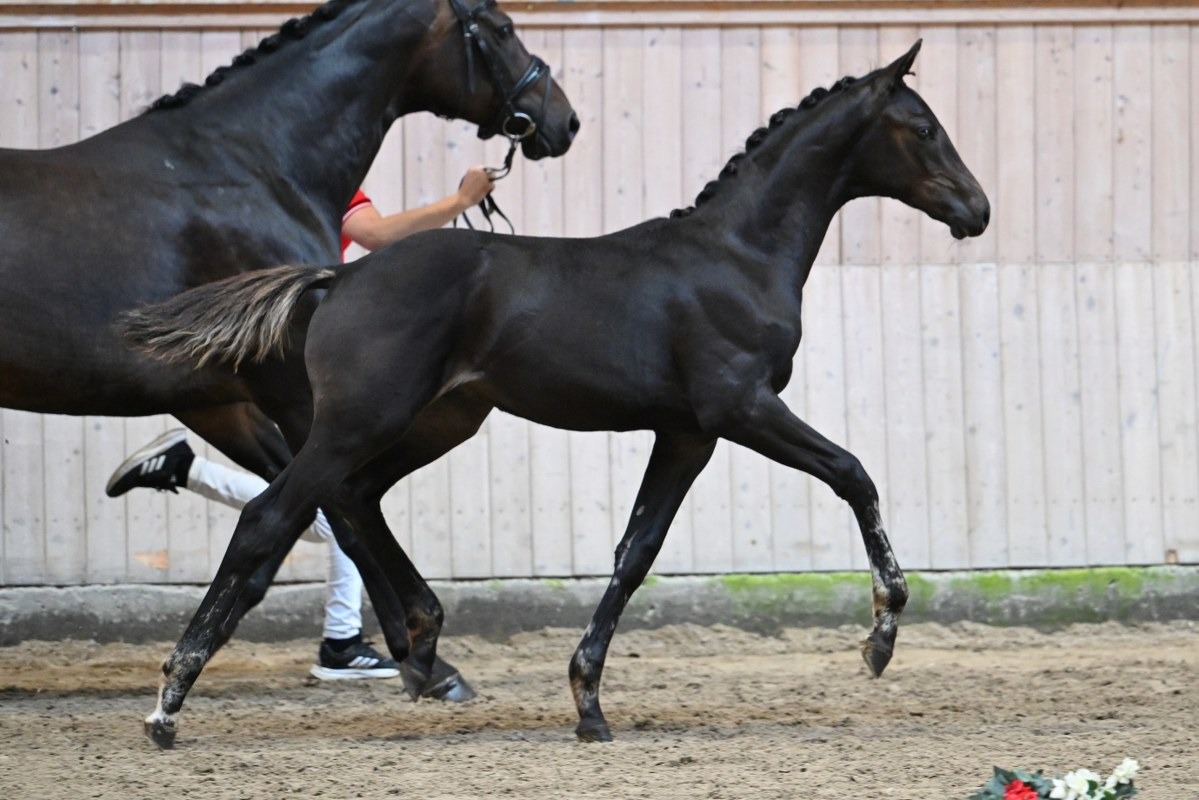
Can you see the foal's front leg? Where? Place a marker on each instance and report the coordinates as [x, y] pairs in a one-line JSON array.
[[673, 466], [771, 429]]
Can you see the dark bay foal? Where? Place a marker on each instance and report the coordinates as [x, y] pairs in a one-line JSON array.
[[684, 326]]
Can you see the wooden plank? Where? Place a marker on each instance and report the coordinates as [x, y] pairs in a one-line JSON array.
[[903, 476], [975, 131], [1102, 464], [1015, 199], [590, 493], [1171, 156], [982, 402], [1061, 434], [1093, 132], [943, 409], [1054, 164], [1175, 368], [860, 230], [865, 387], [1019, 324], [1140, 435], [1132, 150], [511, 524], [1194, 125], [62, 437]]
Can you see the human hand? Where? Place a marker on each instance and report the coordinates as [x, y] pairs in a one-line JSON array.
[[474, 186]]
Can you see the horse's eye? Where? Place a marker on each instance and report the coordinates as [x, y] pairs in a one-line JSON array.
[[507, 31], [924, 132]]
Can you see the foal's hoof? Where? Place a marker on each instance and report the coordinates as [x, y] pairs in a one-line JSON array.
[[161, 732], [445, 683], [593, 730], [876, 653]]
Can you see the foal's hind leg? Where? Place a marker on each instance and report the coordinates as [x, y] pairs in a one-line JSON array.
[[771, 429], [673, 466]]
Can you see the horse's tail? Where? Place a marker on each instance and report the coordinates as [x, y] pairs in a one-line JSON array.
[[231, 320]]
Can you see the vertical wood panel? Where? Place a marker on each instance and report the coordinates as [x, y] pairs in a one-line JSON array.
[[975, 131], [1139, 432], [860, 242], [1171, 150], [1093, 105], [1132, 150], [1054, 172], [1015, 196]]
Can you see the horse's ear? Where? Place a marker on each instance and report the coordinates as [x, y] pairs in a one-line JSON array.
[[902, 65]]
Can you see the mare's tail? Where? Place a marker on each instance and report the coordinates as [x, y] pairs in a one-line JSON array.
[[231, 320]]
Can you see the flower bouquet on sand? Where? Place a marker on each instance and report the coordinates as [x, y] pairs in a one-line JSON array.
[[1082, 784]]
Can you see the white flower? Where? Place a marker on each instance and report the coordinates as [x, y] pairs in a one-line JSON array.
[[1060, 792], [1126, 771], [1078, 784]]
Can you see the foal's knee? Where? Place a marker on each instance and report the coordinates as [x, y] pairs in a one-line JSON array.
[[851, 483]]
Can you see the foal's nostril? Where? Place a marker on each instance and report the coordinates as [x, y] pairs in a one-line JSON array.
[[987, 216], [574, 125]]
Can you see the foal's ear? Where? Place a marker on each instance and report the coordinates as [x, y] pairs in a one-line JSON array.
[[902, 65]]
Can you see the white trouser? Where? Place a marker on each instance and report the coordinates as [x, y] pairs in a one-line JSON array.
[[343, 589]]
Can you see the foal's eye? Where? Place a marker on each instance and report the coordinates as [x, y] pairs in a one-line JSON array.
[[924, 132], [507, 31]]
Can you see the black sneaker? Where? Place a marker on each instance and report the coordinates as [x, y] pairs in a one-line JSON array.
[[356, 662], [162, 465]]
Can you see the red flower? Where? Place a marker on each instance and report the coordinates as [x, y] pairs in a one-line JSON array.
[[1019, 790]]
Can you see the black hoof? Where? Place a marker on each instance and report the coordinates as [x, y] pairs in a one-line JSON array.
[[593, 730], [449, 686], [161, 733], [877, 654]]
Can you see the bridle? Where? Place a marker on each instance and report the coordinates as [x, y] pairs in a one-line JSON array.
[[513, 124]]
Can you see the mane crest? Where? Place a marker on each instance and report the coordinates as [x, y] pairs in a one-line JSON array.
[[756, 138], [293, 29]]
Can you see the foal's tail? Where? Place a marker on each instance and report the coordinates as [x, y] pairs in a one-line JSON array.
[[231, 320]]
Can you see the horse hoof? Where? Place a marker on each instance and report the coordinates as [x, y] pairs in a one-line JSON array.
[[593, 731], [877, 655], [161, 733], [451, 687]]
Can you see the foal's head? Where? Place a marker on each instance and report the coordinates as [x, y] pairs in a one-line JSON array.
[[473, 66], [904, 153]]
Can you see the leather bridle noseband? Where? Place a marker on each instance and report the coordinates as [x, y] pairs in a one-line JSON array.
[[510, 122]]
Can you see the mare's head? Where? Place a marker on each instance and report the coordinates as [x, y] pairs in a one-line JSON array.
[[474, 67], [904, 153]]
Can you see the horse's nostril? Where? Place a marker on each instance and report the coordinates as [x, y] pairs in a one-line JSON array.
[[986, 216], [574, 125]]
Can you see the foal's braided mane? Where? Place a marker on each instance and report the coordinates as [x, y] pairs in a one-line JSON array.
[[293, 29], [756, 138]]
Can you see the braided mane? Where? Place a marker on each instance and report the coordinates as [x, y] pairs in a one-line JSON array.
[[292, 30], [756, 138]]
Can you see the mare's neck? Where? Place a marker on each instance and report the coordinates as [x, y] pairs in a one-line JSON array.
[[313, 113]]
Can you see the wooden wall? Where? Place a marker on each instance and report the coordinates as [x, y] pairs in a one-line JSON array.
[[1023, 399]]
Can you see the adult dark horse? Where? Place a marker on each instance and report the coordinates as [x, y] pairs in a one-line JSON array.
[[684, 326], [250, 171]]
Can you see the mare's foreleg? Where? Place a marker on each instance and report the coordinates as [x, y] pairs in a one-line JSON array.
[[771, 429], [674, 464]]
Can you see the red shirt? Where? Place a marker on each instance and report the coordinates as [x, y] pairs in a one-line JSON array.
[[359, 202]]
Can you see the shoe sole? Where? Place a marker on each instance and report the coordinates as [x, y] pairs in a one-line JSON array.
[[163, 442], [331, 674]]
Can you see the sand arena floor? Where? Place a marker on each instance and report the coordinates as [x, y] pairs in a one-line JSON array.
[[698, 712]]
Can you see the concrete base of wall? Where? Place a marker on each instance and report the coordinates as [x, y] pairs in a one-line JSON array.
[[762, 603]]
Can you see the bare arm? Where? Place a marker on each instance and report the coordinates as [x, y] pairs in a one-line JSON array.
[[372, 230]]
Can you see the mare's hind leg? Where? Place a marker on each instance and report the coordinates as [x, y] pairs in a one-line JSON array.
[[673, 466], [771, 429]]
